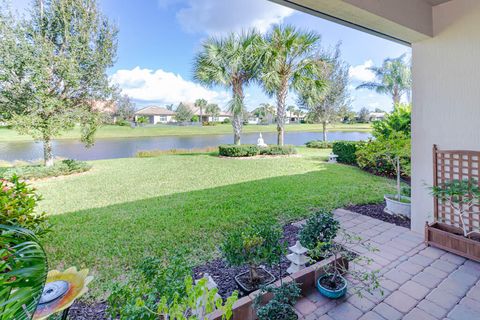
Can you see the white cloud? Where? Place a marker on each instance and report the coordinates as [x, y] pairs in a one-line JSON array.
[[223, 16], [361, 72], [162, 87]]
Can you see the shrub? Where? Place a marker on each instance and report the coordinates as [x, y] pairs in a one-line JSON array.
[[254, 245], [278, 150], [321, 227], [233, 150], [18, 202], [345, 150], [122, 123], [398, 121], [62, 168], [226, 120], [281, 306], [250, 150], [152, 279], [319, 144]]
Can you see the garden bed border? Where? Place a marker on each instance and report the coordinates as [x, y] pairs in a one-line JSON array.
[[306, 278]]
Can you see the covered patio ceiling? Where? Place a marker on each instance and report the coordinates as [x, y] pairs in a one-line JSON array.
[[405, 21]]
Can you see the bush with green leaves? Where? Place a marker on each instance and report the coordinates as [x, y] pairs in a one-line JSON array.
[[195, 304], [60, 168], [18, 202], [122, 123], [397, 121], [319, 144], [250, 150], [152, 280], [23, 271], [321, 227], [345, 150], [281, 306], [253, 245], [275, 150], [233, 150]]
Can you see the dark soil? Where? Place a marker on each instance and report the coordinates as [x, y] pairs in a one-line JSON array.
[[376, 211], [332, 284], [224, 275], [83, 311], [248, 285]]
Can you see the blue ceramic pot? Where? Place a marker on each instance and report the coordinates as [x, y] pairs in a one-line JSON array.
[[332, 294]]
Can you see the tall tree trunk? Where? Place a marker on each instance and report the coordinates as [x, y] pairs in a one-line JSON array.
[[281, 97], [47, 151], [201, 116], [324, 126], [237, 128], [237, 122]]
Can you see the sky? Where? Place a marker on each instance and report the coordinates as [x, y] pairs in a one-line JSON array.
[[158, 40]]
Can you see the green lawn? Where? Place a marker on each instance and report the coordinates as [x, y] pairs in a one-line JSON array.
[[108, 219], [7, 135]]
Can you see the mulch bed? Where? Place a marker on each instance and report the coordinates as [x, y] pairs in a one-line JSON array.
[[376, 211], [83, 311]]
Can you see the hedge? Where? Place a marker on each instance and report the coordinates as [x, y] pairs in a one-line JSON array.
[[345, 150], [319, 144], [250, 150]]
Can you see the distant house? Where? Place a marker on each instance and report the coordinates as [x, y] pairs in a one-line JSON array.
[[208, 118], [376, 116], [156, 115], [293, 117]]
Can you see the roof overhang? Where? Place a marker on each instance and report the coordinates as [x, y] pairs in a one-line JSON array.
[[405, 21]]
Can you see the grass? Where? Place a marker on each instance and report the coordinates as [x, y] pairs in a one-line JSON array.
[[9, 135], [110, 218]]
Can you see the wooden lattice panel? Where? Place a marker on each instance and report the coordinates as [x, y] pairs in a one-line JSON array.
[[455, 164]]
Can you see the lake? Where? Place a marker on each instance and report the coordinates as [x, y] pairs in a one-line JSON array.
[[128, 147]]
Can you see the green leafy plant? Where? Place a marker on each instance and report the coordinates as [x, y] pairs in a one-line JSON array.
[[233, 150], [195, 304], [18, 202], [345, 150], [153, 279], [254, 245], [364, 279], [142, 120], [321, 227], [400, 120], [319, 144], [462, 196], [278, 150], [281, 306], [23, 271], [60, 168]]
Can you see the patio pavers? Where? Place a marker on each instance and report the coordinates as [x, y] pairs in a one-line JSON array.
[[419, 282]]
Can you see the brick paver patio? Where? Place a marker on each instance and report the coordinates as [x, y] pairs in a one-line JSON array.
[[419, 282]]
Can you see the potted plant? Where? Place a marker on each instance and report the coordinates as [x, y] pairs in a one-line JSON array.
[[253, 246], [396, 147], [332, 284], [281, 306]]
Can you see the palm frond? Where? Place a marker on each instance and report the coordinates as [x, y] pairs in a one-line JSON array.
[[23, 271]]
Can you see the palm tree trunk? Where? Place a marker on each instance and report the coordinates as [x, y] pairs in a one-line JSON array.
[[237, 128], [237, 122], [324, 126], [47, 151], [281, 97]]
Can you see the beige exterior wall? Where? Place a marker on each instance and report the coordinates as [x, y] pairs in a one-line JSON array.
[[446, 95]]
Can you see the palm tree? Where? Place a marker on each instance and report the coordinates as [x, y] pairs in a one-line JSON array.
[[291, 110], [213, 110], [232, 62], [394, 78], [200, 104], [287, 64]]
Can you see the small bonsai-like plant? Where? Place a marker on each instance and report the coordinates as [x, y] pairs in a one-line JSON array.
[[254, 245], [281, 306], [462, 196], [365, 279], [321, 227]]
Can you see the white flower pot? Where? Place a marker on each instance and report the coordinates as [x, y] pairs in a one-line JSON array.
[[396, 207]]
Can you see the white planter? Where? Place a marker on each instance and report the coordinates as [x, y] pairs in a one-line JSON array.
[[396, 207]]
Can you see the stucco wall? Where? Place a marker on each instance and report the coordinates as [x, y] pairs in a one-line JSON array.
[[446, 95]]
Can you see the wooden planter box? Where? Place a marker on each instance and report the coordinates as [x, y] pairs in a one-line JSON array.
[[306, 278], [451, 239]]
